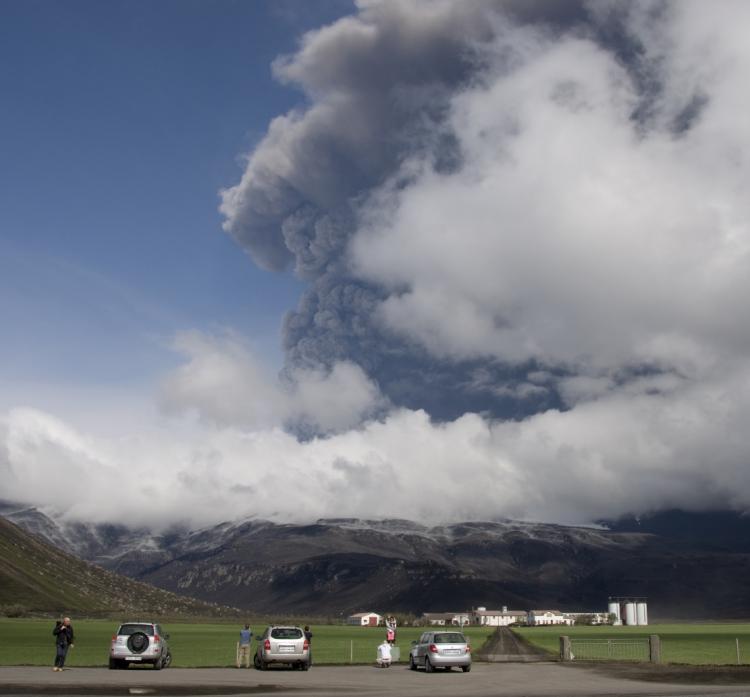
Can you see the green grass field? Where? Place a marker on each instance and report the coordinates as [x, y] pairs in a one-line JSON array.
[[30, 642], [196, 645], [699, 644]]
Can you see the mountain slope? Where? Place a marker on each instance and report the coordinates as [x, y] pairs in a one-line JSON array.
[[341, 566], [693, 567], [36, 576]]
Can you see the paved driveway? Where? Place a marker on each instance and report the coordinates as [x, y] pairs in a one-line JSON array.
[[485, 680]]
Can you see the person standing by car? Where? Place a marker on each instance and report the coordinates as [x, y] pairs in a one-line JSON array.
[[243, 647], [308, 638], [63, 633]]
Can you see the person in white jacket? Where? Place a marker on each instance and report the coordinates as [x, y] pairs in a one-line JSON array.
[[384, 655]]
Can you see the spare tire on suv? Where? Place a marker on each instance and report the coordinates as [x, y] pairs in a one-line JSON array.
[[140, 642]]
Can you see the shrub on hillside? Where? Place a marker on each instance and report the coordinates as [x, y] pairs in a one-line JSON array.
[[14, 610]]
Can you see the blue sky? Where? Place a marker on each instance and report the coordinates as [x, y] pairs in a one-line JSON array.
[[120, 122]]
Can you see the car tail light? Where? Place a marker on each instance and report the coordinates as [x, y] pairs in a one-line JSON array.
[[114, 638], [267, 645], [468, 648], [157, 638], [433, 648], [306, 645]]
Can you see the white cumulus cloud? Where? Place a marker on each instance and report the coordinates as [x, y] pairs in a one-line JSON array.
[[623, 452], [577, 234], [223, 383]]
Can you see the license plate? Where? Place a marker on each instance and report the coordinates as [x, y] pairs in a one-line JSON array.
[[452, 652], [286, 649], [133, 658]]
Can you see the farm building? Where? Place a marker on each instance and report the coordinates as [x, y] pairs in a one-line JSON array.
[[365, 619], [498, 618], [442, 619], [629, 611], [594, 618], [548, 617]]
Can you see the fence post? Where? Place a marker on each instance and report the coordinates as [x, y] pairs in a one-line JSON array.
[[351, 651], [654, 648], [737, 642], [565, 654]]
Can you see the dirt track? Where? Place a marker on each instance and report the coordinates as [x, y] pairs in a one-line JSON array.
[[504, 645], [485, 680]]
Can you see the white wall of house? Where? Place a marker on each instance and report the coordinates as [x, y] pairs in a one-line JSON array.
[[489, 618], [549, 617], [364, 619]]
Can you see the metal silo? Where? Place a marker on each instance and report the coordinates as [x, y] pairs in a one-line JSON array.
[[631, 618], [614, 609], [641, 612]]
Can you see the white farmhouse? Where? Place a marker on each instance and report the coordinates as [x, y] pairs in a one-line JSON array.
[[365, 619], [537, 618], [498, 618]]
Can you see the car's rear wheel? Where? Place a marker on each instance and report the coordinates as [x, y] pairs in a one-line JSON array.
[[412, 664], [158, 663], [113, 664], [304, 666], [466, 669], [427, 665], [167, 660]]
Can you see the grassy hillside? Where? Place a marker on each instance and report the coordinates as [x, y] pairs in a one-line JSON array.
[[36, 577]]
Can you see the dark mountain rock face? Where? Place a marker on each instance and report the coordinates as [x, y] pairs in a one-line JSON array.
[[337, 566]]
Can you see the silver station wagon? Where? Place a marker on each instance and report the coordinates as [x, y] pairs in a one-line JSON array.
[[440, 650], [283, 645], [139, 642]]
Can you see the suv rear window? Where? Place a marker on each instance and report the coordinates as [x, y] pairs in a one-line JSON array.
[[286, 633], [450, 638], [128, 629]]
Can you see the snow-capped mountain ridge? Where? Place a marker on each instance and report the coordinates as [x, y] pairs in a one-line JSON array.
[[337, 565]]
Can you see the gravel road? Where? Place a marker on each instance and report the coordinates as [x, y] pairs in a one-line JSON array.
[[485, 680]]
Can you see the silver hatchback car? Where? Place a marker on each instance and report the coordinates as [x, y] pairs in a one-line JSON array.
[[139, 642], [440, 650], [283, 645]]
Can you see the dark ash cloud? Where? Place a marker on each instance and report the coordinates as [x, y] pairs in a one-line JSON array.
[[379, 85]]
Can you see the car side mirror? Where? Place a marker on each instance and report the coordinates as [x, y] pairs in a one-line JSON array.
[[166, 636], [414, 643]]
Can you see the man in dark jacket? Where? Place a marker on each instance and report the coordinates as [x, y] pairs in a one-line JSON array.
[[63, 633], [308, 637]]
